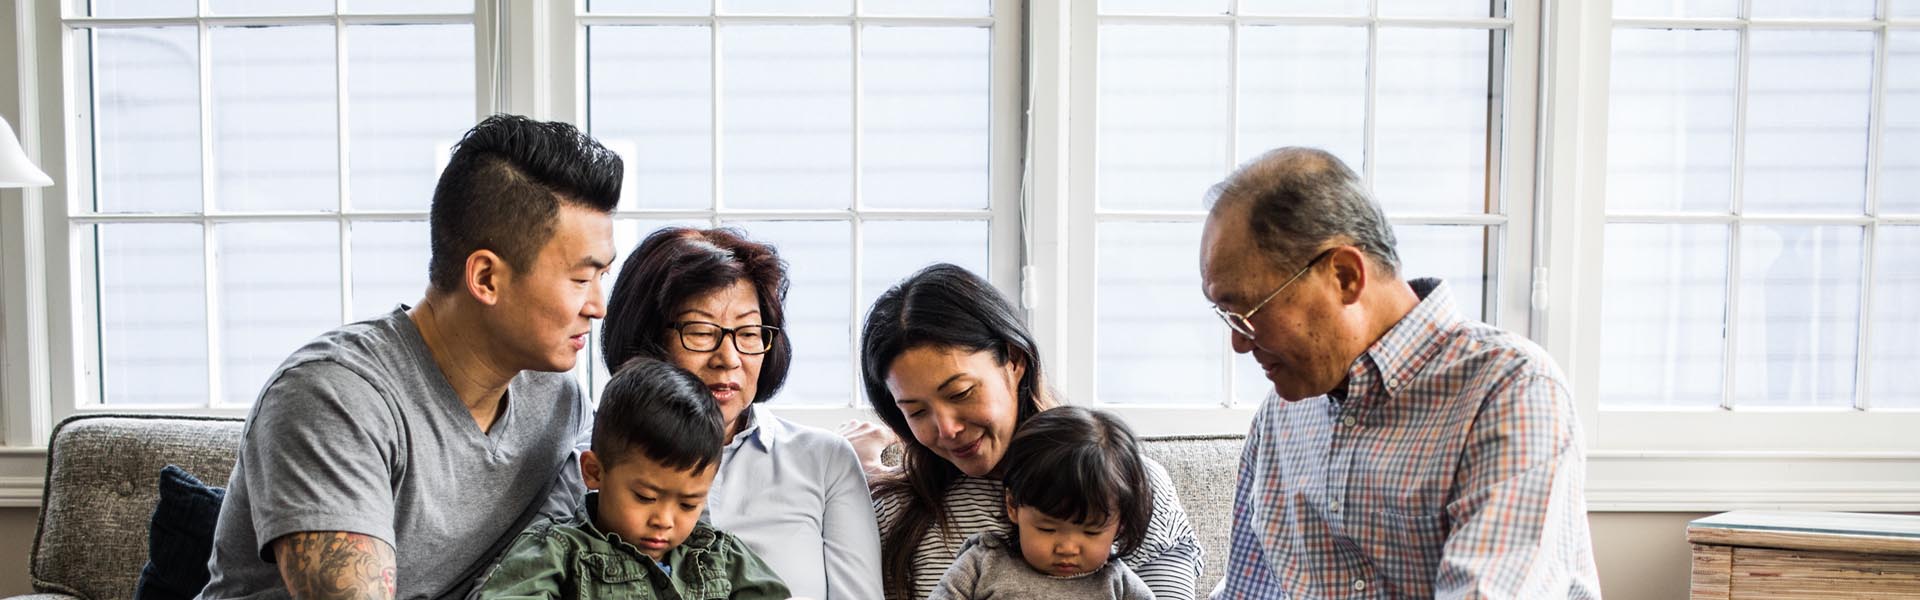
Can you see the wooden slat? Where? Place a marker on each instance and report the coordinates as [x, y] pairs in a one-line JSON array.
[[1712, 573], [1761, 573]]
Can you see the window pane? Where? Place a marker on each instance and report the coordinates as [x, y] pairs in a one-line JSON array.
[[1818, 9], [275, 144], [1163, 115], [1303, 86], [119, 9], [389, 266], [1670, 120], [1653, 9], [1163, 7], [1159, 344], [1443, 8], [650, 99], [279, 287], [270, 7], [819, 261], [1900, 138], [1304, 8], [1664, 304], [1906, 8], [1896, 288], [925, 112], [657, 7], [787, 131], [153, 313], [928, 8], [408, 7], [410, 94], [1454, 253], [1799, 316], [1807, 121], [1431, 136], [147, 89], [1250, 385], [787, 7], [892, 250]]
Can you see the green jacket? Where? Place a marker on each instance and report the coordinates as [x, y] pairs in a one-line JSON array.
[[571, 559]]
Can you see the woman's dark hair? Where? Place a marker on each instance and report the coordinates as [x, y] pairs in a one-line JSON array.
[[1083, 466], [677, 264], [503, 187], [660, 411], [942, 306]]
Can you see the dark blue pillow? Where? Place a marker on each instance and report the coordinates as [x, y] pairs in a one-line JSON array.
[[180, 538]]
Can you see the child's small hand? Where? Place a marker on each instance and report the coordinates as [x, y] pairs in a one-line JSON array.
[[869, 441]]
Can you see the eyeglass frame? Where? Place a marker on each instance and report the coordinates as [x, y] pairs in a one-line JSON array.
[[1247, 317], [679, 330]]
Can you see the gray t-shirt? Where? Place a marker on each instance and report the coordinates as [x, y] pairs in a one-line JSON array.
[[990, 568], [360, 431]]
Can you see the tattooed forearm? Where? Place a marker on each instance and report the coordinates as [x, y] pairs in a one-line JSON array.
[[335, 565]]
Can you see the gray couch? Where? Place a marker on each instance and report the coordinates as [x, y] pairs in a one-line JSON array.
[[102, 473]]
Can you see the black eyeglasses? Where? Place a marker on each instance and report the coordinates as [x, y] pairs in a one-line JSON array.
[[1242, 323], [701, 336]]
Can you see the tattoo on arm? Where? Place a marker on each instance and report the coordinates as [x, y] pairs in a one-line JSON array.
[[335, 565]]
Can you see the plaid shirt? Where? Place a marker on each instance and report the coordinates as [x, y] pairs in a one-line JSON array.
[[1453, 469]]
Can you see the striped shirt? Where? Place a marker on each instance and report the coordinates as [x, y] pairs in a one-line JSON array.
[[1169, 559], [1453, 468]]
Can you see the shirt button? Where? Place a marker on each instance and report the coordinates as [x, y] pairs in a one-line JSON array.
[[1333, 506], [1359, 585], [1349, 421]]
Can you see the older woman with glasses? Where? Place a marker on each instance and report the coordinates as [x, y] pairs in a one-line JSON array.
[[711, 302]]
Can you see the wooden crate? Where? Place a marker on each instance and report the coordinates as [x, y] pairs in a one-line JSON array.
[[1745, 555]]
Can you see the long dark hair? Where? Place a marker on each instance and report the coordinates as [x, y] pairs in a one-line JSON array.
[[942, 306], [1083, 466], [676, 264]]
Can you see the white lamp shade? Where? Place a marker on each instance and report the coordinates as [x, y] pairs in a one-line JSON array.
[[15, 169]]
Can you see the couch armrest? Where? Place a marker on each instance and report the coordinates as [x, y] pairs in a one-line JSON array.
[[43, 597]]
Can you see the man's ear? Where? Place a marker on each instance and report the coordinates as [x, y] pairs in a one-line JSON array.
[[590, 469], [484, 275], [1349, 266]]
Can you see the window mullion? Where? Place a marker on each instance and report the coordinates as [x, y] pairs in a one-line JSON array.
[[208, 197], [344, 137], [1876, 126], [1729, 355]]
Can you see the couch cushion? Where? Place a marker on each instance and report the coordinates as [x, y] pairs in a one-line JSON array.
[[1204, 469], [100, 495], [180, 539]]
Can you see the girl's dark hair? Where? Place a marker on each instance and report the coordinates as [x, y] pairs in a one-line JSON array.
[[677, 264], [661, 411], [942, 306], [1083, 466]]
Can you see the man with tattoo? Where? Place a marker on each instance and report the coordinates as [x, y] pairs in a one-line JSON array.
[[397, 457]]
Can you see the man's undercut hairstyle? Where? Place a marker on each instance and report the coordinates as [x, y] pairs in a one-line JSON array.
[[659, 411], [1083, 466], [502, 189], [1299, 200]]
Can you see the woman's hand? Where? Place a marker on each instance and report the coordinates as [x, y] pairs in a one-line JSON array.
[[869, 441]]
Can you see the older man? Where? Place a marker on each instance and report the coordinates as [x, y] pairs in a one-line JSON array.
[[1411, 452]]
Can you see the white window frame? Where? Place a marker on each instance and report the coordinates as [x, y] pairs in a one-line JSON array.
[[567, 25], [1712, 459], [1514, 198]]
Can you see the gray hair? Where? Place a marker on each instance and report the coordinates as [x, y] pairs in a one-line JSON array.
[[1302, 198]]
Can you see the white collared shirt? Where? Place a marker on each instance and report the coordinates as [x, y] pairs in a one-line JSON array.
[[797, 496]]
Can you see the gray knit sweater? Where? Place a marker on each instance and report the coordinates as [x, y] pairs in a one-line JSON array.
[[990, 568]]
